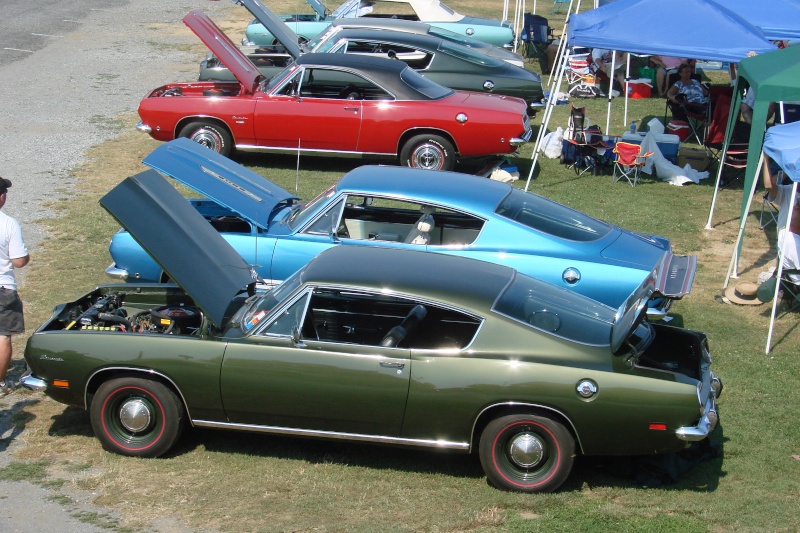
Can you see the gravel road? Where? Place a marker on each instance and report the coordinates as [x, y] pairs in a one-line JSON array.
[[67, 69]]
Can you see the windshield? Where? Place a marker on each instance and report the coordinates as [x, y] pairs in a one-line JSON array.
[[468, 54], [311, 46], [274, 80], [266, 302], [550, 217], [556, 311], [300, 216], [417, 81]]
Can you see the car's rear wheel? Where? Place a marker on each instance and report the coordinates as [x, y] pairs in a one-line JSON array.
[[428, 152], [137, 417], [526, 453], [210, 135]]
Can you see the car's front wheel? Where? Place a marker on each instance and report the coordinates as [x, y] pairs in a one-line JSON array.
[[526, 453], [210, 135], [428, 152], [137, 417]]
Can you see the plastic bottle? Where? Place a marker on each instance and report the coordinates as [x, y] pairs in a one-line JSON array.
[[633, 126]]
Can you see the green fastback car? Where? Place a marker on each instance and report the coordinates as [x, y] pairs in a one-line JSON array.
[[368, 344]]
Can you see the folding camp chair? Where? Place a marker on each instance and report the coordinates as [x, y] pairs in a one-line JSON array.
[[717, 120], [536, 34], [580, 77], [697, 120], [628, 162], [582, 143], [789, 291], [734, 165], [769, 212]]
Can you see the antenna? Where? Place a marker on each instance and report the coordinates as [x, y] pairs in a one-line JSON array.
[[297, 170]]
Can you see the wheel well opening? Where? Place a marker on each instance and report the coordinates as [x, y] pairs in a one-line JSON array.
[[505, 410], [182, 123], [413, 133], [103, 376]]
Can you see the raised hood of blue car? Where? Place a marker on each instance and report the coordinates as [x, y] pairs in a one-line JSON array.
[[218, 178], [283, 33], [182, 242]]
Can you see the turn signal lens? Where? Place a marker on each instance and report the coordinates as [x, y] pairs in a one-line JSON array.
[[61, 383]]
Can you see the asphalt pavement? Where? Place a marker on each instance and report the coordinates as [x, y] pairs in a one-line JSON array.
[[67, 70]]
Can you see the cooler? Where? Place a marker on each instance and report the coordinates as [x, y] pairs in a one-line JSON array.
[[679, 128], [667, 143], [640, 88]]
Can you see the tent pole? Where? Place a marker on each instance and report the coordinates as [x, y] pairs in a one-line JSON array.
[[733, 268], [735, 102], [781, 248], [627, 79], [610, 90], [562, 42]]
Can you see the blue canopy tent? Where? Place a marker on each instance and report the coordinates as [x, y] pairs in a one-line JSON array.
[[778, 19], [701, 29]]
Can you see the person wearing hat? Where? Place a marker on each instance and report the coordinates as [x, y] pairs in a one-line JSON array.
[[13, 254]]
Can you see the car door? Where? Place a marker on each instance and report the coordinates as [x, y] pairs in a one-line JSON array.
[[311, 111], [317, 364]]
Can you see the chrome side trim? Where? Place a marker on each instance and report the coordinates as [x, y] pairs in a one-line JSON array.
[[340, 153], [138, 371], [144, 128], [32, 383], [425, 443], [114, 272], [526, 404]]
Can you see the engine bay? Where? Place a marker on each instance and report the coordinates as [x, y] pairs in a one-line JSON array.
[[140, 311]]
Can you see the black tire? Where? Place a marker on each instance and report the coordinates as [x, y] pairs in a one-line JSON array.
[[526, 453], [210, 135], [136, 417], [428, 152]]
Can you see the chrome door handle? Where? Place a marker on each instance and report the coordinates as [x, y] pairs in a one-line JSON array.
[[393, 364], [353, 109]]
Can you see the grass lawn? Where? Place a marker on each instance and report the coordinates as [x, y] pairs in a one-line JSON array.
[[238, 482]]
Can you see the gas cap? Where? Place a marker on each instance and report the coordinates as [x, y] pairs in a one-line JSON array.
[[587, 388], [571, 276], [488, 85]]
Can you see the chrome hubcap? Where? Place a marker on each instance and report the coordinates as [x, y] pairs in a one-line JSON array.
[[134, 415], [429, 157], [208, 138], [526, 450]]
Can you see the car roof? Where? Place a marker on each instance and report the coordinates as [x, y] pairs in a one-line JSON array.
[[411, 26], [462, 191], [467, 283]]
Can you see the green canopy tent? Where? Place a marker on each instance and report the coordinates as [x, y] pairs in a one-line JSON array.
[[775, 77]]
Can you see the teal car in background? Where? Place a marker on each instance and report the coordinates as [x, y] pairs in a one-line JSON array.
[[368, 344], [433, 12]]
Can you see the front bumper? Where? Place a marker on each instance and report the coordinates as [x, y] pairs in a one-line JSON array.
[[32, 383], [144, 128], [115, 272]]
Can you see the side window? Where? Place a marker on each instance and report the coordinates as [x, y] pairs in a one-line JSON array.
[[289, 319], [339, 85], [382, 219], [325, 223], [375, 319]]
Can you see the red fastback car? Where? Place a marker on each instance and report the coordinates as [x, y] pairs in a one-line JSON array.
[[333, 104]]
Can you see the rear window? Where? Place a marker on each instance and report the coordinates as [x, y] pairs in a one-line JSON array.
[[417, 81], [556, 311], [550, 217]]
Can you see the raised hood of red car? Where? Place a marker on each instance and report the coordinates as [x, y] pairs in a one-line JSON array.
[[224, 49]]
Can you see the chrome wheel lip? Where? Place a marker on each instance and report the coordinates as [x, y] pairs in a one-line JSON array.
[[428, 156], [135, 415], [526, 450]]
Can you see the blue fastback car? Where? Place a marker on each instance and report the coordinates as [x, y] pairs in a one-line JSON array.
[[443, 212]]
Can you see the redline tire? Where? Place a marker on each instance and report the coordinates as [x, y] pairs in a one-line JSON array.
[[212, 136], [428, 152], [136, 417], [526, 453]]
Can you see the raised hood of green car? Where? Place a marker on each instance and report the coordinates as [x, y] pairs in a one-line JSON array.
[[182, 242], [282, 33], [216, 177]]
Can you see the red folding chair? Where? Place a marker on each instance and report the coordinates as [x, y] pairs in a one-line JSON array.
[[628, 162]]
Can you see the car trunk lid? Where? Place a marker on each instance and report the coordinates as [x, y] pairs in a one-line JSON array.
[[228, 183]]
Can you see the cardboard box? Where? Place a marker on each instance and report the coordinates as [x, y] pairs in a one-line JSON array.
[[694, 157]]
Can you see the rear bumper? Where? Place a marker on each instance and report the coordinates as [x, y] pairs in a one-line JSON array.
[[144, 128], [522, 139], [118, 273], [704, 426]]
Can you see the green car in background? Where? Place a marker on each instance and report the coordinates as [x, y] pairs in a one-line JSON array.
[[368, 344]]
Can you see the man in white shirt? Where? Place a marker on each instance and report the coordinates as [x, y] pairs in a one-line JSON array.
[[788, 216], [13, 254]]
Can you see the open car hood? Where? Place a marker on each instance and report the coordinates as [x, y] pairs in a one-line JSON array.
[[223, 48], [216, 177], [181, 241], [275, 26], [318, 7]]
